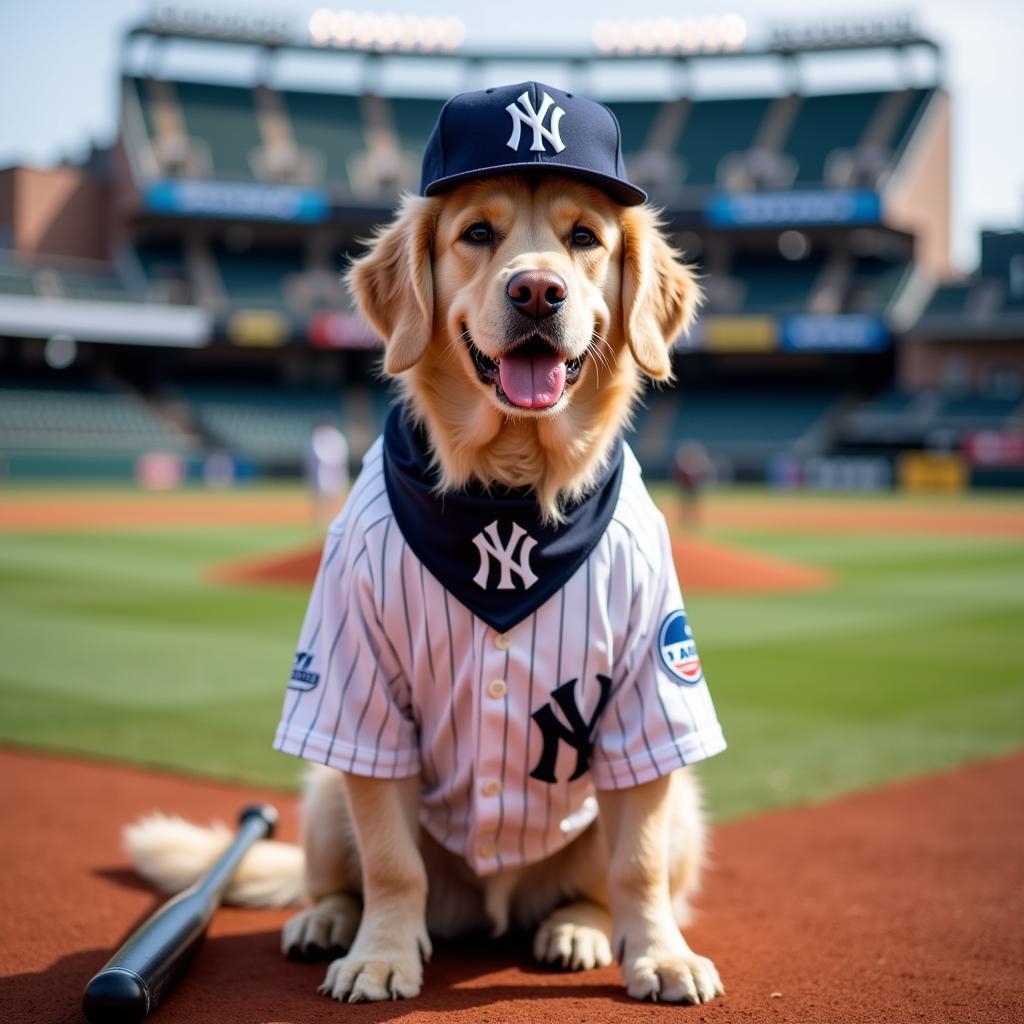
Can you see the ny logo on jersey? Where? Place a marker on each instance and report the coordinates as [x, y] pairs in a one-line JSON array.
[[535, 120], [488, 544], [302, 678], [579, 733]]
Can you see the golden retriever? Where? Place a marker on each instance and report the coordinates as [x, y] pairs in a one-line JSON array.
[[515, 398]]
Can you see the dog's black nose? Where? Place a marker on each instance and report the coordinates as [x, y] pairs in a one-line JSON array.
[[537, 293]]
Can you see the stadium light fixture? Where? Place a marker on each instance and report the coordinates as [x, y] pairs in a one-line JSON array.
[[640, 37], [388, 33]]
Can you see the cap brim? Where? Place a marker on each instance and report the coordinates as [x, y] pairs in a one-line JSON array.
[[621, 191]]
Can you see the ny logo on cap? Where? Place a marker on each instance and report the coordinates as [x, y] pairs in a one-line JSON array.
[[535, 120], [488, 544]]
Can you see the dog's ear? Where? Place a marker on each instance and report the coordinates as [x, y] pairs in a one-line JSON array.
[[393, 284], [660, 295]]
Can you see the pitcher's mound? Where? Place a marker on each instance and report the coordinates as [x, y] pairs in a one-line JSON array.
[[709, 567], [704, 567]]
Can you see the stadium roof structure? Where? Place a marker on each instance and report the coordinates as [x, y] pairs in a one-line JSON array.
[[987, 306], [377, 35]]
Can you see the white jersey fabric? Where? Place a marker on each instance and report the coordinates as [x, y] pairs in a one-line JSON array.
[[512, 732]]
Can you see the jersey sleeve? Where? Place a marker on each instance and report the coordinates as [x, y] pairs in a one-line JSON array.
[[347, 704], [660, 715]]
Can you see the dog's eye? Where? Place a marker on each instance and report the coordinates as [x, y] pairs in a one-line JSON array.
[[584, 238], [480, 233]]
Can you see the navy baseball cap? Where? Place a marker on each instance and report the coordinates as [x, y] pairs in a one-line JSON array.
[[528, 127]]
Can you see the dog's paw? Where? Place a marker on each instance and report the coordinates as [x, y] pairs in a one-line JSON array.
[[358, 979], [686, 978], [323, 930], [575, 938]]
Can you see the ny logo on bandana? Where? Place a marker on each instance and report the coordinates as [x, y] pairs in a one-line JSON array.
[[535, 120], [488, 544]]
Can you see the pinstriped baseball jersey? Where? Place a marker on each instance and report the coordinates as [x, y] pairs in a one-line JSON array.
[[599, 687]]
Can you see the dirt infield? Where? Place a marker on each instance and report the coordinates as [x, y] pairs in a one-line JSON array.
[[61, 511], [704, 567], [902, 904]]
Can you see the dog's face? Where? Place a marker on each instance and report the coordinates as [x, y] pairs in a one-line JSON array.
[[529, 280], [522, 309]]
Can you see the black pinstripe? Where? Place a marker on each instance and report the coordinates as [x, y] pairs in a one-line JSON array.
[[529, 736]]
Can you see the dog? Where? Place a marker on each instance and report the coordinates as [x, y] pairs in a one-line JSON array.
[[522, 308]]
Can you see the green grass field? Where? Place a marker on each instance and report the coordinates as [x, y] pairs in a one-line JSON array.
[[114, 646]]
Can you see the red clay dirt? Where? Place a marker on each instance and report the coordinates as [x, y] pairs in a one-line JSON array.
[[903, 904], [200, 509], [704, 567]]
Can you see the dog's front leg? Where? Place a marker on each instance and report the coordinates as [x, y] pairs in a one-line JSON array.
[[656, 961], [386, 958]]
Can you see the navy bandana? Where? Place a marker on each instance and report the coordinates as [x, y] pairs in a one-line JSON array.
[[490, 550]]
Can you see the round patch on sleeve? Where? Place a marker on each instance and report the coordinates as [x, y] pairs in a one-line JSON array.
[[678, 650]]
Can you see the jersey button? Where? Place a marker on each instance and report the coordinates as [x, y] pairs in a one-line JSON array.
[[497, 688], [503, 641], [487, 850], [491, 788]]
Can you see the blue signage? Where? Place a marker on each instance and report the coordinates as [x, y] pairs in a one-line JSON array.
[[851, 332], [241, 200], [793, 209]]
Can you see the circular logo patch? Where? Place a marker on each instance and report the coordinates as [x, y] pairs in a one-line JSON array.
[[678, 651]]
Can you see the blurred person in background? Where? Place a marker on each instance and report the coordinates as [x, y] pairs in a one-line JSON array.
[[326, 465], [692, 473]]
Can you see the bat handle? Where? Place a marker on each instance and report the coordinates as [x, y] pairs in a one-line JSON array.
[[131, 984]]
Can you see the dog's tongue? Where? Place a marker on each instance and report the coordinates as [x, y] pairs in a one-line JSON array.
[[532, 380]]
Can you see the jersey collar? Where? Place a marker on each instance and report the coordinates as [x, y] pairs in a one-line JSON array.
[[490, 551]]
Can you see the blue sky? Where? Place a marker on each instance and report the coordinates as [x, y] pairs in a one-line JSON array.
[[59, 61]]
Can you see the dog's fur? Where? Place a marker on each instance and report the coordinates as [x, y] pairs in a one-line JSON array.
[[378, 886]]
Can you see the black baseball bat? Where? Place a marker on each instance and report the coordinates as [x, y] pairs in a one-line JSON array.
[[138, 975]]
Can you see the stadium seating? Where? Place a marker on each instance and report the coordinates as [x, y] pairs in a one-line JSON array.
[[223, 119], [949, 301], [977, 412], [825, 125], [873, 284], [328, 124], [636, 118], [226, 141], [257, 277], [413, 122], [32, 418], [755, 418], [769, 284], [269, 427], [714, 129], [61, 280], [896, 417], [994, 295]]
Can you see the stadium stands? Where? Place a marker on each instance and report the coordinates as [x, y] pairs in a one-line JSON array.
[[826, 125], [873, 284], [713, 130], [991, 301], [223, 126], [258, 277], [413, 121], [32, 418], [770, 284], [268, 427], [223, 120], [241, 202], [330, 125]]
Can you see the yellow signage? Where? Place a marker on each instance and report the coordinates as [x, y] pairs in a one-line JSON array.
[[258, 328], [932, 471], [741, 334]]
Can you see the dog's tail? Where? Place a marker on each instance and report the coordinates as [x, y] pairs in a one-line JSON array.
[[172, 853]]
